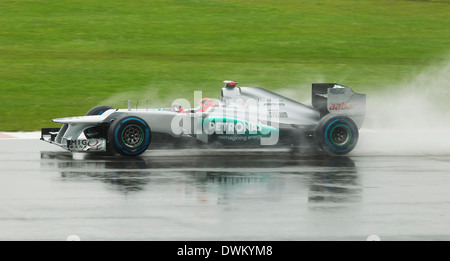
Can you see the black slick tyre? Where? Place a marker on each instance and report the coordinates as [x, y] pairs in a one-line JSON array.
[[129, 136], [336, 135]]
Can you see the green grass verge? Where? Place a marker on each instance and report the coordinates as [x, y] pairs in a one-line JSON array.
[[60, 58]]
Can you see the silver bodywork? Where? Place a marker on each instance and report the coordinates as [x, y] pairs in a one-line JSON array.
[[270, 112]]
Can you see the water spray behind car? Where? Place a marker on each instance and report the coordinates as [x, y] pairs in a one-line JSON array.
[[411, 117]]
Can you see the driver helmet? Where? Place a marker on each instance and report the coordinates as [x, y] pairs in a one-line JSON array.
[[206, 103]]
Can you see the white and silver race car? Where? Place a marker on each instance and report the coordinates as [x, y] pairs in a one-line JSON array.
[[243, 116]]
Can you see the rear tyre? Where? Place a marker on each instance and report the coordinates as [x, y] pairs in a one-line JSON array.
[[96, 132], [129, 136], [337, 135]]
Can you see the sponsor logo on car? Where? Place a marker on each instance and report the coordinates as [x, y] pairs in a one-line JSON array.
[[342, 106], [83, 144], [232, 117]]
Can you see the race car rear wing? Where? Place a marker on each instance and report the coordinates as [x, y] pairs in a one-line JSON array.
[[333, 98]]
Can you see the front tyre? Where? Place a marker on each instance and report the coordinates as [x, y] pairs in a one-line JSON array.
[[129, 136], [337, 135], [98, 131], [98, 110]]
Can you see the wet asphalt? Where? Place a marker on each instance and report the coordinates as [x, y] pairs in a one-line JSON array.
[[47, 193]]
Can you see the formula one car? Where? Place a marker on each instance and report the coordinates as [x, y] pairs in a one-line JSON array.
[[243, 116]]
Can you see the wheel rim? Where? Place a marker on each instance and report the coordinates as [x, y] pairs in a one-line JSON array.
[[132, 136], [340, 135]]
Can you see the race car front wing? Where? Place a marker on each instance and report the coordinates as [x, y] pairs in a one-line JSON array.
[[51, 135]]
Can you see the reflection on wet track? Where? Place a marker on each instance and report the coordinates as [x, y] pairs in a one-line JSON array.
[[49, 194], [328, 178]]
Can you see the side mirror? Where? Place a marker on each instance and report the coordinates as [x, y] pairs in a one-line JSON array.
[[176, 107]]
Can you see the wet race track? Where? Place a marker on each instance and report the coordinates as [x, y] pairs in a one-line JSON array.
[[397, 193]]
